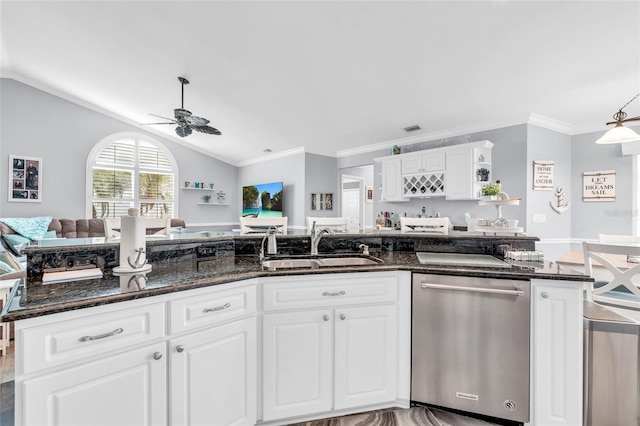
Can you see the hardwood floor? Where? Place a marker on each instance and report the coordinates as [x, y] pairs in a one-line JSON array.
[[414, 416]]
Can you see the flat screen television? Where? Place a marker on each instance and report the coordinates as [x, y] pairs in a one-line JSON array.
[[264, 200]]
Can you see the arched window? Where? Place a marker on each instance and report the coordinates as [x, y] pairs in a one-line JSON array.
[[131, 170]]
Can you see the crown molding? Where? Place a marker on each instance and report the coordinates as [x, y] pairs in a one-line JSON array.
[[551, 124], [427, 137]]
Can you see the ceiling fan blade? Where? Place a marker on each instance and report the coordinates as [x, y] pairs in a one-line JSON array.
[[196, 121], [152, 124], [166, 118], [183, 131], [207, 129]]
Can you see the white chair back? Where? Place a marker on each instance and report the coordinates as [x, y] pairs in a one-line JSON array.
[[333, 224], [425, 225], [259, 225], [160, 227], [624, 275]]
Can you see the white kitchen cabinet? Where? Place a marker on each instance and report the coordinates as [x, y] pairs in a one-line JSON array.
[[557, 334], [365, 355], [424, 161], [391, 190], [115, 364], [213, 375], [450, 171], [297, 363], [463, 163], [125, 389], [322, 350]]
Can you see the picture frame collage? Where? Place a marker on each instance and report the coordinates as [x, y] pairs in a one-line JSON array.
[[25, 179]]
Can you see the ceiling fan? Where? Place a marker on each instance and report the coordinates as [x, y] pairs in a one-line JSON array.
[[185, 121]]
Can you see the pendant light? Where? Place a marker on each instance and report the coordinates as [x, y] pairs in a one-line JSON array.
[[621, 134]]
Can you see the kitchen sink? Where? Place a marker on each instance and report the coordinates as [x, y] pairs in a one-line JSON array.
[[318, 262]]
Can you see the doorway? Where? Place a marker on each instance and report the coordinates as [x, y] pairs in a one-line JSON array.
[[352, 190]]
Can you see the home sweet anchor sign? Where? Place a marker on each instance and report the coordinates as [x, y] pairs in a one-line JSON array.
[[599, 186]]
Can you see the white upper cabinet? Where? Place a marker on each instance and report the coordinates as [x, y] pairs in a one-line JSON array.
[[424, 161], [391, 189], [457, 172]]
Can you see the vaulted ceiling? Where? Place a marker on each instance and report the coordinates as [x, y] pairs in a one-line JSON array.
[[334, 77]]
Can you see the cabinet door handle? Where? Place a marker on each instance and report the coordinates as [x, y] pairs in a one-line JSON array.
[[343, 316], [157, 355], [179, 348], [101, 336], [217, 308], [340, 293], [544, 295], [325, 317]]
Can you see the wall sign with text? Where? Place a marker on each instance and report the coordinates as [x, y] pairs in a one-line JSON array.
[[543, 175], [599, 186]]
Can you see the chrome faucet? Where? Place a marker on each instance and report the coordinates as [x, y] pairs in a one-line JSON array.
[[272, 244], [315, 238]]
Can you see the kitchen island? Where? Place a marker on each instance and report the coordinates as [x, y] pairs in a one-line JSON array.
[[208, 310]]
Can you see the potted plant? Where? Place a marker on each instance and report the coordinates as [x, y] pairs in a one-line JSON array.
[[206, 198], [490, 192], [483, 174]]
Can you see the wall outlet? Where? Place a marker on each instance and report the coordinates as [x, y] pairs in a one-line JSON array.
[[539, 218]]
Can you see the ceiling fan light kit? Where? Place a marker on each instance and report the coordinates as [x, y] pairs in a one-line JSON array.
[[186, 122], [621, 134]]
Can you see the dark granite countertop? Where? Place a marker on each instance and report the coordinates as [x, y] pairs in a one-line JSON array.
[[171, 275]]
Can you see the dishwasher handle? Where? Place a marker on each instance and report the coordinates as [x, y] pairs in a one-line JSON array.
[[515, 292]]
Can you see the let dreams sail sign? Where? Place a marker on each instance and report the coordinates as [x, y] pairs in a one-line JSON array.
[[599, 186]]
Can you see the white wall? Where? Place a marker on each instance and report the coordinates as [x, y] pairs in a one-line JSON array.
[[555, 231], [321, 177], [38, 124], [288, 170], [608, 217]]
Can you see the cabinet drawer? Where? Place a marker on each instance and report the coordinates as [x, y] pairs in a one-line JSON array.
[[210, 308], [89, 335], [329, 290]]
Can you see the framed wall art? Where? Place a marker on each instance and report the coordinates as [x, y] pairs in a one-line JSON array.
[[25, 179], [322, 201], [543, 175], [368, 194], [599, 185]]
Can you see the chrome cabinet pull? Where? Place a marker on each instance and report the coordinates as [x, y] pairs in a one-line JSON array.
[[544, 295], [101, 336], [343, 316], [325, 317], [340, 293], [473, 289], [217, 308], [179, 348], [157, 355]]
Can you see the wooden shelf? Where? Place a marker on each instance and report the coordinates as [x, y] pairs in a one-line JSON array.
[[213, 204], [198, 189]]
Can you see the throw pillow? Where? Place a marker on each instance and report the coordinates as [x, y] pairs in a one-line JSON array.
[[16, 243], [5, 268], [33, 228]]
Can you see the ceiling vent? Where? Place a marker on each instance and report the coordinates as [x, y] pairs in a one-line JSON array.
[[412, 128]]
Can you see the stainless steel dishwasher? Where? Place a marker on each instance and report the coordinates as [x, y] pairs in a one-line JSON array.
[[470, 344]]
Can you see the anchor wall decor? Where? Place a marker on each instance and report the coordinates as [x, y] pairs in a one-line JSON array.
[[559, 207]]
